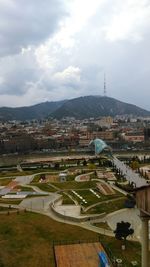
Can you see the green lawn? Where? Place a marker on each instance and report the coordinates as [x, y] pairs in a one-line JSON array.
[[10, 201], [87, 195], [5, 181], [45, 172], [24, 188], [4, 208], [91, 198], [75, 185], [27, 172], [67, 200], [111, 206], [14, 173], [27, 240], [45, 187], [103, 225]]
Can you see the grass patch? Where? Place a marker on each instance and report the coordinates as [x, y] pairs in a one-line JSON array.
[[67, 200], [109, 207], [131, 253], [45, 187], [91, 198], [103, 225], [4, 208], [75, 185], [70, 177], [45, 172], [10, 201], [12, 173], [87, 195], [5, 181], [26, 240], [24, 188]]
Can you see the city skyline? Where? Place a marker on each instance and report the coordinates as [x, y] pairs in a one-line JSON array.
[[61, 49]]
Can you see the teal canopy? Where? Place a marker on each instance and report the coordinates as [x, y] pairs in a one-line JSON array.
[[99, 145]]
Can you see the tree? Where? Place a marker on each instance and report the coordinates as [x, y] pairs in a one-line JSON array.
[[84, 163], [134, 165], [123, 230], [78, 162], [56, 166], [91, 166]]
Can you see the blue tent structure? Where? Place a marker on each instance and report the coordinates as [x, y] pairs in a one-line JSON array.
[[99, 145], [103, 259]]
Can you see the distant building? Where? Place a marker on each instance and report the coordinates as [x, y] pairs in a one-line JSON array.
[[105, 122], [105, 135], [133, 137]]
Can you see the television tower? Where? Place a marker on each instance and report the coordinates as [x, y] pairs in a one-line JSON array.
[[105, 92]]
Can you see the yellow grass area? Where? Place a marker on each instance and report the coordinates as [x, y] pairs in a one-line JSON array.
[[26, 239]]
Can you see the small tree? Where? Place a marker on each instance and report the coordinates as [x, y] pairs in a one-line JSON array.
[[91, 166], [56, 166], [123, 230], [134, 165], [84, 163]]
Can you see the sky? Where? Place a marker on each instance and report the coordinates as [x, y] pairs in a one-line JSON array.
[[61, 49]]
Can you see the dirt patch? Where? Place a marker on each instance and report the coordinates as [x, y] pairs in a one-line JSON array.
[[52, 178], [78, 254], [105, 189]]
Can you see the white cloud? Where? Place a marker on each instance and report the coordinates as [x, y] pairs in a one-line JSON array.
[[27, 22], [50, 53], [127, 20], [69, 75], [2, 80], [69, 58]]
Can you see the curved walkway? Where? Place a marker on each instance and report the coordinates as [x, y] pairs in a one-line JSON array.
[[42, 205]]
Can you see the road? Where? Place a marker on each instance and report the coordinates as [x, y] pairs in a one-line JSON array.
[[129, 174]]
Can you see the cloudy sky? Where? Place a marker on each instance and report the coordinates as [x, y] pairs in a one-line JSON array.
[[60, 49]]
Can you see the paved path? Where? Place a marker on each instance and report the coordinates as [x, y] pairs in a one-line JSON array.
[[24, 179], [39, 204], [126, 215], [45, 210], [42, 205], [36, 189], [129, 174]]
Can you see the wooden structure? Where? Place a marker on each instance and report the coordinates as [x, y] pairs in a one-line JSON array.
[[78, 255], [143, 204], [143, 200]]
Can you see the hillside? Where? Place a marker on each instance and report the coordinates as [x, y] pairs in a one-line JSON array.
[[38, 111], [80, 108], [95, 106]]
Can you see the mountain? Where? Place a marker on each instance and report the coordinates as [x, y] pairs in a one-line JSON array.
[[95, 106], [80, 108], [38, 111]]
